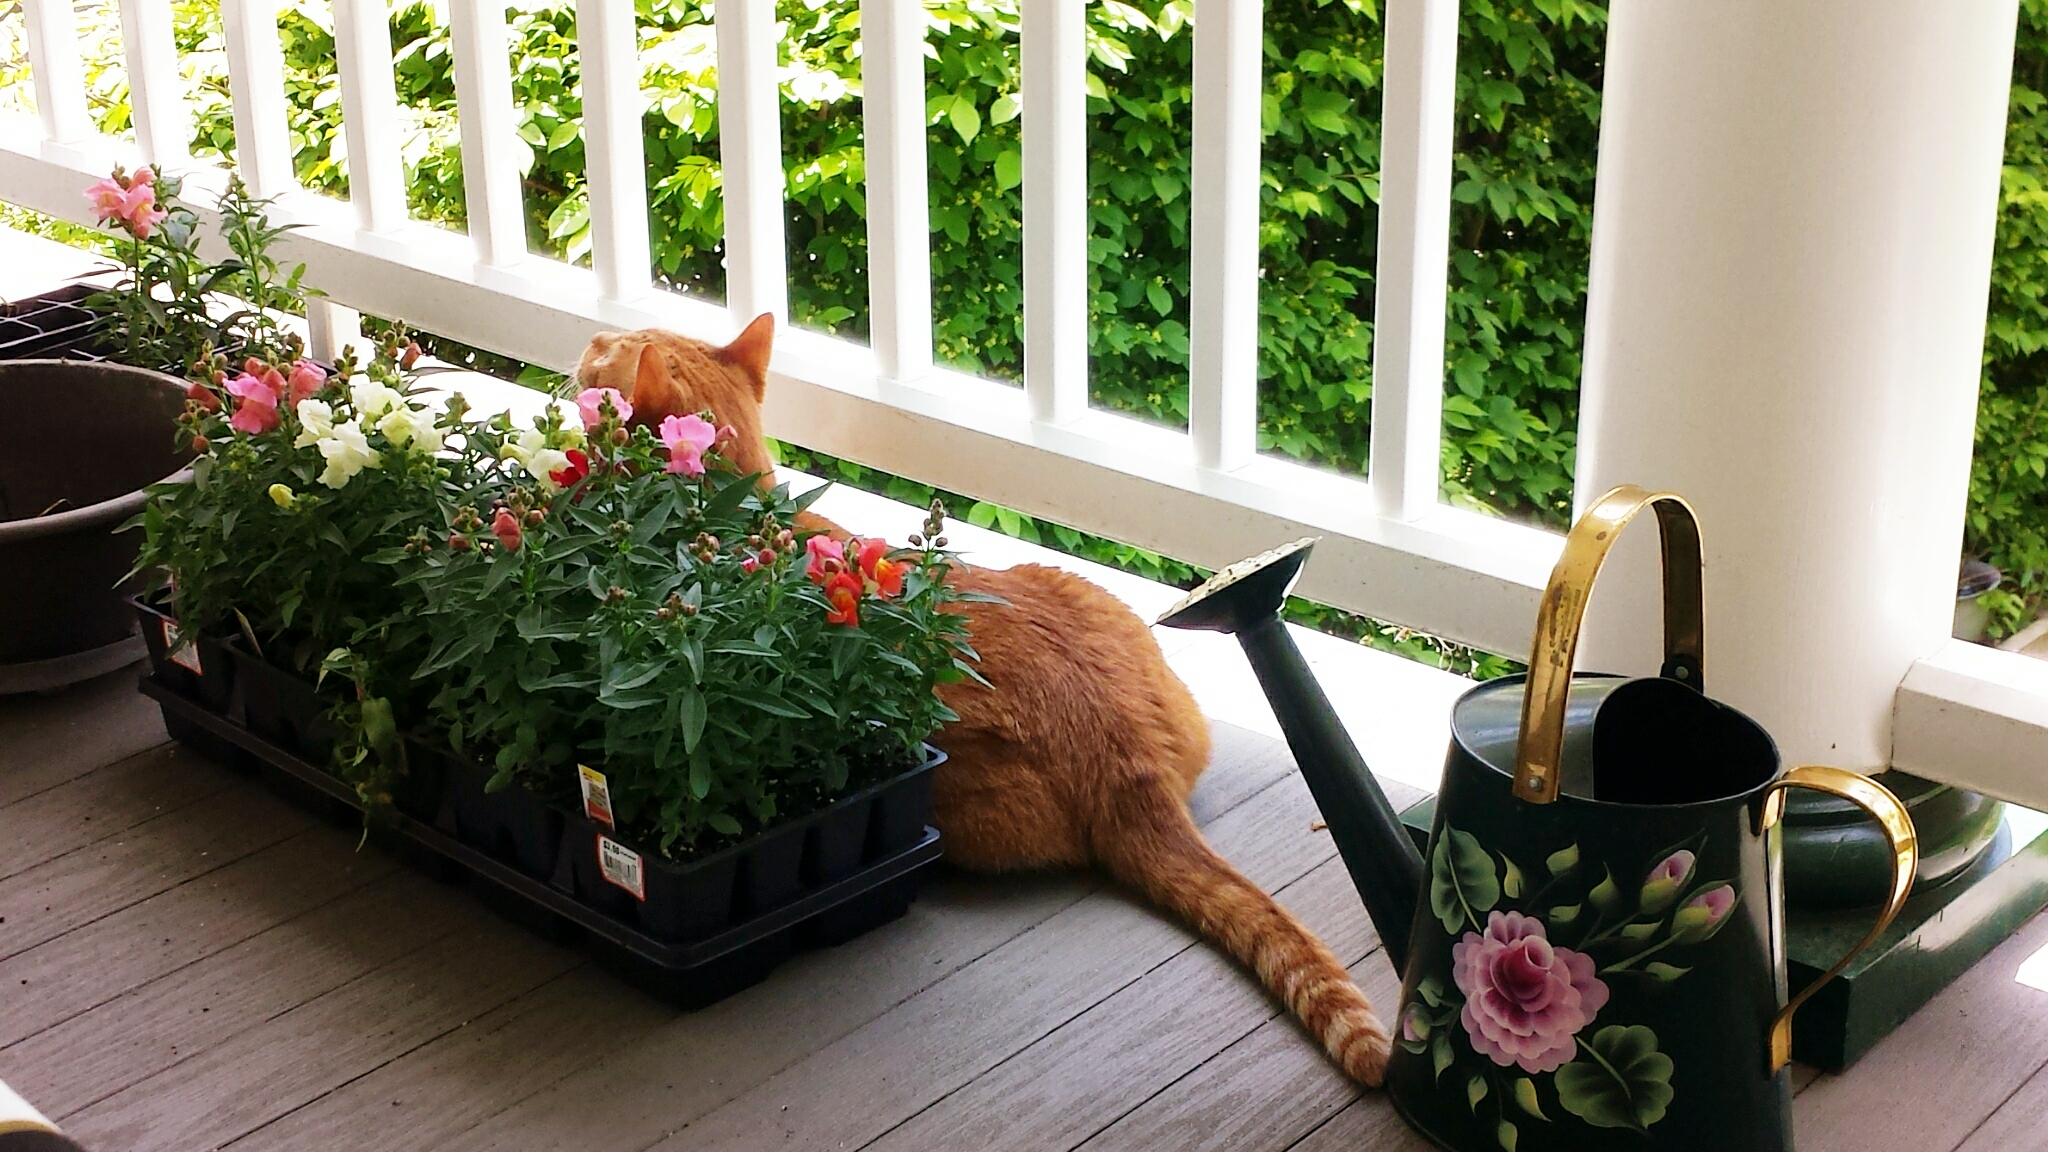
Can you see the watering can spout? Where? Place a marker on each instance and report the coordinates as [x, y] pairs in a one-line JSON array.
[[1244, 600]]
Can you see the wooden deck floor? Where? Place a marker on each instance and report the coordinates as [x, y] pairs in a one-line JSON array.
[[188, 963]]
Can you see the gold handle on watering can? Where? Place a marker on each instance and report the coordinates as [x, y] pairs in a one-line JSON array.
[[1891, 815], [1540, 748]]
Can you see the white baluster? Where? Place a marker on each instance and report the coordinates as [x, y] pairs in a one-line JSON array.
[[156, 97], [256, 75], [750, 153], [899, 207], [1055, 94], [333, 329], [1223, 353], [613, 158], [1415, 224], [60, 81], [369, 114], [483, 107]]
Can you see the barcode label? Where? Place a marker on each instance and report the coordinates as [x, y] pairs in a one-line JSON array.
[[597, 795], [621, 866], [186, 657]]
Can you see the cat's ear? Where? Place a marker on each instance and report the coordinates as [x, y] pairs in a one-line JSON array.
[[650, 379], [749, 352]]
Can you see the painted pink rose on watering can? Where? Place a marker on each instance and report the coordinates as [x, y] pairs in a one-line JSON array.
[[1524, 999]]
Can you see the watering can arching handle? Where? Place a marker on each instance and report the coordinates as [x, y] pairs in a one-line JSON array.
[[1540, 748], [1892, 816]]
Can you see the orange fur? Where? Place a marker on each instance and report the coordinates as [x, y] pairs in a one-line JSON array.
[[1085, 748]]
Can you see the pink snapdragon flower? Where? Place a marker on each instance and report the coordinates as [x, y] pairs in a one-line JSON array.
[[590, 405], [127, 200], [257, 407], [687, 438], [306, 379], [1525, 999], [826, 557]]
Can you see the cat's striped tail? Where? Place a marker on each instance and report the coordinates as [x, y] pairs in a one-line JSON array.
[[1156, 848]]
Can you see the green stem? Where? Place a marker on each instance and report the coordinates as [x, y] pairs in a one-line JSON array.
[[1652, 950]]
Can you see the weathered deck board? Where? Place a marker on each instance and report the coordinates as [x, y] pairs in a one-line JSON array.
[[56, 896], [104, 803], [198, 1007], [215, 968], [1083, 1076], [1266, 1090], [86, 967], [269, 1070], [46, 740]]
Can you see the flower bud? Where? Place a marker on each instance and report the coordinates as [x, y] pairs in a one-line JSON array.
[[1700, 917], [1666, 880], [535, 518], [411, 355], [457, 542], [505, 527], [615, 595], [282, 496], [201, 443]]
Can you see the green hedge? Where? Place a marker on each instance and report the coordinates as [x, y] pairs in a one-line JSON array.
[[1528, 112]]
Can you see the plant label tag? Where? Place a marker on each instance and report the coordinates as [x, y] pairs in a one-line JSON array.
[[621, 866], [186, 657], [597, 795]]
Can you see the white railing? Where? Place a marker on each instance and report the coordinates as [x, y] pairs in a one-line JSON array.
[[1391, 547]]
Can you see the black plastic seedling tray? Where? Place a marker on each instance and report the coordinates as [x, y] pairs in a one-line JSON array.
[[687, 974]]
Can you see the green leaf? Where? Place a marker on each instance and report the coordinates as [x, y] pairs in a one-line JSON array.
[[1475, 1091], [1621, 1081], [965, 119], [1563, 860], [1462, 883], [1440, 1054], [1639, 932], [1506, 1134], [1564, 913], [1525, 1097], [1431, 989], [1605, 896], [1663, 973], [1511, 878], [692, 715]]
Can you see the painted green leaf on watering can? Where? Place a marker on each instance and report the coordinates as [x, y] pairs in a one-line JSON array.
[[1623, 1081], [1511, 878], [1525, 1096], [1506, 1134], [1563, 860], [1462, 883]]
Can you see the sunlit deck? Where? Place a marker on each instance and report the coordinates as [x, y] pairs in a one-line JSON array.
[[188, 962]]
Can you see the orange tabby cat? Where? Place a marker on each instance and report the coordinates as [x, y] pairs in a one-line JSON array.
[[1085, 748]]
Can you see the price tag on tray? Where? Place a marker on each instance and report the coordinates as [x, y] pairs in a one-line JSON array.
[[597, 795], [621, 866]]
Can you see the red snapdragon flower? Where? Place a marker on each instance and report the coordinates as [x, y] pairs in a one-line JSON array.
[[306, 379], [842, 594], [203, 396], [881, 575], [579, 467]]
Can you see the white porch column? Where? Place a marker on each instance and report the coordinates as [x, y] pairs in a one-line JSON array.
[[1791, 252]]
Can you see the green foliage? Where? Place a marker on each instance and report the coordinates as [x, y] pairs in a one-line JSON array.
[[2008, 519]]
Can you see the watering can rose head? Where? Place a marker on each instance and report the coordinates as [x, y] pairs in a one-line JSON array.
[[1525, 999]]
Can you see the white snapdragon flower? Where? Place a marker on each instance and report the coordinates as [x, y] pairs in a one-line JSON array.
[[406, 428], [347, 453], [372, 400], [317, 420], [543, 465]]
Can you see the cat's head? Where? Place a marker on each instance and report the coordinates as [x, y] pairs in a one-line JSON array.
[[664, 374]]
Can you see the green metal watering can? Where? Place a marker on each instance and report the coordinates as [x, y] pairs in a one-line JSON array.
[[1592, 946]]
